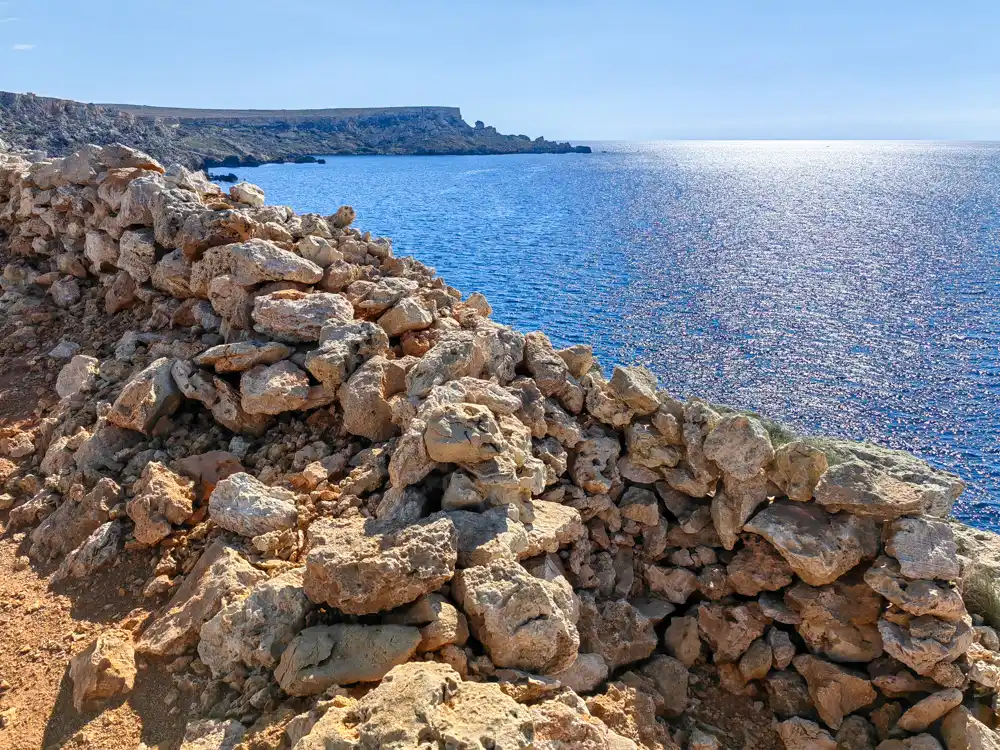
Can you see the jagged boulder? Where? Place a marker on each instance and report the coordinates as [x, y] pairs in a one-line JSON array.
[[363, 567], [147, 397], [244, 505]]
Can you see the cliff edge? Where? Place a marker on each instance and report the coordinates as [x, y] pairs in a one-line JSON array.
[[198, 138]]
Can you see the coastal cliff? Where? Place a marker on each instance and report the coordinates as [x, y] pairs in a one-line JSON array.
[[309, 496], [198, 138]]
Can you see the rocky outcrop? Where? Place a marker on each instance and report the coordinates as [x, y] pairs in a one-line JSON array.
[[206, 138], [364, 502]]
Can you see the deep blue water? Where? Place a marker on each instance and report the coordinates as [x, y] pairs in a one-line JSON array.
[[848, 288]]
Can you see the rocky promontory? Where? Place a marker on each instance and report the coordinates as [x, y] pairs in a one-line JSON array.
[[200, 138], [266, 485]]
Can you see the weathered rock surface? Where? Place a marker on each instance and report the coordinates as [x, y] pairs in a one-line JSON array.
[[523, 622], [616, 631], [149, 395], [162, 500], [256, 630], [961, 729], [220, 574], [364, 568], [327, 655], [835, 690], [105, 669], [246, 506], [819, 547]]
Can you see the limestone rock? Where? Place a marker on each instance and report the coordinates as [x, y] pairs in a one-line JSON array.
[[221, 573], [364, 399], [740, 446], [558, 726], [523, 622], [801, 734], [256, 630], [630, 711], [245, 192], [980, 551], [682, 640], [137, 254], [149, 395], [676, 585], [409, 314], [553, 526], [242, 504], [79, 375], [884, 494], [97, 551], [839, 620], [228, 411], [241, 356], [919, 742], [343, 348], [272, 389], [924, 547], [258, 261], [729, 630], [105, 669], [585, 675], [426, 704], [74, 521], [463, 434], [491, 535], [162, 499], [616, 631], [758, 567], [925, 712], [915, 597], [671, 679], [924, 642], [819, 547], [362, 567], [962, 731], [440, 623], [733, 505], [836, 691], [796, 469], [298, 317], [326, 655]]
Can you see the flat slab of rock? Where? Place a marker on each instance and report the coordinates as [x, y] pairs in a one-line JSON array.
[[363, 567], [242, 355], [820, 547], [523, 622], [257, 261], [220, 574], [327, 655], [242, 504]]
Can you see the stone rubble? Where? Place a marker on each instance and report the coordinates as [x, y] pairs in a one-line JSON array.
[[418, 527]]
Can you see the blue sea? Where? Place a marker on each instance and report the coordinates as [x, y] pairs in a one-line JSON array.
[[846, 288]]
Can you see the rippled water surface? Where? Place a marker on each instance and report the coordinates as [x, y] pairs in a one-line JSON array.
[[846, 288]]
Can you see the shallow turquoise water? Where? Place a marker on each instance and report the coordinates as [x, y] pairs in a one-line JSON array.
[[847, 288]]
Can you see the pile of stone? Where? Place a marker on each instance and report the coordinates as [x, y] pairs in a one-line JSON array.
[[492, 544]]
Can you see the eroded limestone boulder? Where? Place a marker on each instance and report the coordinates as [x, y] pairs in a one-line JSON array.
[[162, 500], [835, 690], [244, 505], [105, 669], [149, 395], [363, 567]]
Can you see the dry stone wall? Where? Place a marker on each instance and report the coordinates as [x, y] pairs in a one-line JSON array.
[[503, 545]]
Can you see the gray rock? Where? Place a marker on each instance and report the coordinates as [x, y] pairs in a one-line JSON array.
[[323, 656], [79, 375], [148, 396], [924, 547], [298, 317], [246, 506]]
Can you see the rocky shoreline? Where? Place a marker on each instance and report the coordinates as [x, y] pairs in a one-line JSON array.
[[248, 138], [365, 515]]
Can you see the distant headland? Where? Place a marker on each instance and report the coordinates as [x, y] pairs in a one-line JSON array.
[[200, 138]]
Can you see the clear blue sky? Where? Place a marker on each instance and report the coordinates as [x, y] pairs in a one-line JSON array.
[[578, 70]]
